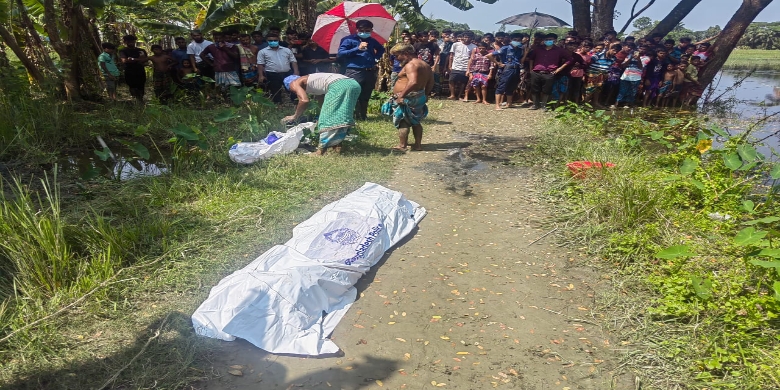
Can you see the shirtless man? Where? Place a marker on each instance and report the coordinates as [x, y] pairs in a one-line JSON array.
[[162, 64], [415, 83]]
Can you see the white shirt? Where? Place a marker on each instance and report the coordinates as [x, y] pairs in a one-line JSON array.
[[318, 83], [196, 48], [276, 60], [461, 54]]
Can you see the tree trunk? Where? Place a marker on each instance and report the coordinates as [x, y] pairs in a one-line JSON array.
[[729, 37], [304, 15], [9, 40], [36, 50], [603, 17], [580, 10], [675, 16], [79, 54]]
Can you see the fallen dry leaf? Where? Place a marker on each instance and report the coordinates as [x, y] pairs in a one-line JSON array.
[[236, 367], [444, 337], [400, 339], [407, 356], [379, 383], [461, 353], [236, 372]]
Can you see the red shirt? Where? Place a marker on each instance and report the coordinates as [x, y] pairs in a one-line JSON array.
[[222, 61], [549, 60]]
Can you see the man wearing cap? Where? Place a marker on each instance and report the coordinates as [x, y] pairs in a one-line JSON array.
[[361, 52]]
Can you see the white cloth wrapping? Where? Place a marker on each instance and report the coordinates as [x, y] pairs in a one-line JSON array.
[[290, 299]]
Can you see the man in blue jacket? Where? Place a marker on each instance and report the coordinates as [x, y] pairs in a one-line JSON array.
[[361, 52]]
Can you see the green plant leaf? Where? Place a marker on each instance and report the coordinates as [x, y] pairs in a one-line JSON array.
[[732, 161], [702, 287], [675, 251], [749, 236], [748, 206], [747, 152], [656, 135], [226, 115], [774, 173], [688, 166], [104, 154], [719, 131], [140, 150], [185, 132], [698, 184], [762, 220], [140, 130], [770, 252], [776, 287], [766, 264]]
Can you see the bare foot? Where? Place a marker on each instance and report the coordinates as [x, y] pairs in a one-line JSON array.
[[417, 148], [464, 100], [399, 149], [318, 152], [477, 101], [486, 103], [499, 109], [452, 98]]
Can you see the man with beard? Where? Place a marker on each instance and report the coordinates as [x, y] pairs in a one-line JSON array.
[[408, 108], [134, 59], [203, 64]]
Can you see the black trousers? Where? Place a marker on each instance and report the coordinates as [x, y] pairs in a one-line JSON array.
[[367, 80], [274, 85], [136, 81], [542, 82]]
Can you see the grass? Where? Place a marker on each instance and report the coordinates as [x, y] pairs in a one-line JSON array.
[[130, 260], [741, 59], [702, 316]]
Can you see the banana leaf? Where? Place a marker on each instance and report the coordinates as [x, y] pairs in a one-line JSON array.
[[160, 27], [34, 7], [231, 7]]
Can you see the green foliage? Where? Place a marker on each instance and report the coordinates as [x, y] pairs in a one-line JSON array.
[[687, 218]]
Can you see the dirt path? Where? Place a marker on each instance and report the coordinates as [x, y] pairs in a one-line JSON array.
[[469, 302]]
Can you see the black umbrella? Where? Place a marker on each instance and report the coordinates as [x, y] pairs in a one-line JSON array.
[[534, 20]]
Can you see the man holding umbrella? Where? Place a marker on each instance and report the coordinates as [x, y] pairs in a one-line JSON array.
[[361, 52]]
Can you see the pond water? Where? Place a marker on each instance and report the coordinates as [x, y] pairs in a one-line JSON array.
[[750, 104], [124, 165]]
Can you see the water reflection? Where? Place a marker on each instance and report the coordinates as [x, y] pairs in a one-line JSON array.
[[124, 167], [755, 103]]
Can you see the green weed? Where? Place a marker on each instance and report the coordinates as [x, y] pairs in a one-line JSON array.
[[690, 234]]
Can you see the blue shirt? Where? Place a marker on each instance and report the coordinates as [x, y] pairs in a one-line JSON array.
[[180, 55], [600, 63], [511, 55], [360, 59], [396, 64]]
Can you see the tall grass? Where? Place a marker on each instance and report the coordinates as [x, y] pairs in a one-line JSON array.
[[43, 254], [741, 59]]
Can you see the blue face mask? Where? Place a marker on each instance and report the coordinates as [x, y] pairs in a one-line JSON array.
[[273, 43], [549, 43], [364, 35], [515, 43]]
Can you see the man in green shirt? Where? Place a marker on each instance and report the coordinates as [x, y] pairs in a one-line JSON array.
[[108, 68]]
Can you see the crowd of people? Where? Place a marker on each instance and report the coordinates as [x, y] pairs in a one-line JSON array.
[[535, 70], [501, 69]]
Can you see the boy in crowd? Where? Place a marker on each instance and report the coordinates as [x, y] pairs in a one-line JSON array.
[[134, 59], [258, 41], [109, 69], [247, 57], [459, 62], [225, 62], [179, 54], [480, 72], [162, 81], [314, 58], [598, 71], [509, 59]]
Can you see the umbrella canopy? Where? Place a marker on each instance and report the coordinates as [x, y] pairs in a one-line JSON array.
[[534, 20], [340, 21]]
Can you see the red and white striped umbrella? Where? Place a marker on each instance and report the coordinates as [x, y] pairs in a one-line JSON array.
[[340, 21]]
